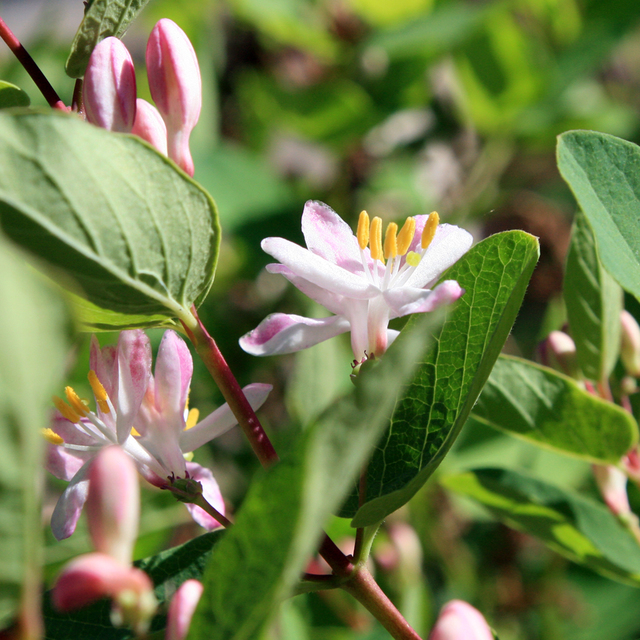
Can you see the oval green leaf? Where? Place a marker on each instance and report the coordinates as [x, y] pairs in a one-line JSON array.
[[12, 96], [115, 219], [549, 409], [427, 420], [579, 529]]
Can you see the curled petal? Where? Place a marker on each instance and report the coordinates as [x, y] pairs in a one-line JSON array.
[[105, 363], [69, 506], [211, 493], [174, 368], [409, 300], [183, 604], [286, 333], [150, 126], [222, 419]]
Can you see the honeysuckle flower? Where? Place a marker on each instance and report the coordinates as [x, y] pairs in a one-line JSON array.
[[144, 414], [630, 343], [183, 604], [113, 510], [460, 621], [150, 126], [109, 87], [363, 283], [176, 87], [558, 351]]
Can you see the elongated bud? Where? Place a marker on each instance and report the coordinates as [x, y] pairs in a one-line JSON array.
[[109, 87], [630, 344], [150, 126], [613, 486], [183, 604], [460, 621], [113, 504], [558, 351], [176, 87]]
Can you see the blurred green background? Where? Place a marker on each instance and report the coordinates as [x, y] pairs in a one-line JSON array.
[[399, 108]]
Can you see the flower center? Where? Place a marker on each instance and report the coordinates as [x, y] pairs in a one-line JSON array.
[[400, 262]]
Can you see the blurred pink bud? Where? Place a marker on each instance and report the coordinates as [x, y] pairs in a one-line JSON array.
[[181, 609], [176, 87], [109, 87], [630, 344], [558, 351], [113, 504], [150, 126], [460, 621], [613, 486]]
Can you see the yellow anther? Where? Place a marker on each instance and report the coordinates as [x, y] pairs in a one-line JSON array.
[[135, 432], [413, 259], [192, 418], [390, 241], [430, 228], [98, 391], [375, 240], [405, 237], [363, 230], [66, 410], [52, 436], [74, 400]]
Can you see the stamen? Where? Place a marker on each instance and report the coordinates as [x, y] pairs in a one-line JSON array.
[[52, 436], [390, 241], [192, 418], [375, 239], [430, 228], [363, 230], [405, 237], [99, 391], [65, 410], [74, 400]]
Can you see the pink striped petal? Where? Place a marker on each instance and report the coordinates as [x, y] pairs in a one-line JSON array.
[[69, 506], [211, 493]]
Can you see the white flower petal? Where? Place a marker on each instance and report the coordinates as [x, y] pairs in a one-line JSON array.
[[69, 506], [408, 300], [211, 493]]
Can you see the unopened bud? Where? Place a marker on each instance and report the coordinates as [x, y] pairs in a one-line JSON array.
[[613, 486], [113, 504], [109, 87], [630, 344], [183, 604], [460, 621], [176, 87], [558, 351], [150, 126]]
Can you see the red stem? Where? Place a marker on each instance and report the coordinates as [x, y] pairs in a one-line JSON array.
[[31, 67]]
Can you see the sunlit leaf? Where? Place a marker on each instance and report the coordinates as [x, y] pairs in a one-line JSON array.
[[12, 96]]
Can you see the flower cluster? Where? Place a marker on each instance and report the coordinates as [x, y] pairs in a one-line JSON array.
[[145, 414], [109, 91], [362, 281]]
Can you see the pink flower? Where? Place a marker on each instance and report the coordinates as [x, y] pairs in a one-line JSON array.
[[183, 604], [109, 87], [352, 280], [176, 87], [150, 126], [460, 621], [129, 397]]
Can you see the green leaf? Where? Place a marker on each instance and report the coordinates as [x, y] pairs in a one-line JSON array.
[[581, 530], [113, 217], [32, 351], [594, 301], [436, 404], [604, 175], [12, 96], [550, 409], [103, 18], [279, 525], [168, 570]]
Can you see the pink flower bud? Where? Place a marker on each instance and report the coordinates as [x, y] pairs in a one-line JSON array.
[[558, 351], [109, 87], [176, 87], [113, 504], [613, 486], [630, 344], [150, 126], [181, 609], [460, 621]]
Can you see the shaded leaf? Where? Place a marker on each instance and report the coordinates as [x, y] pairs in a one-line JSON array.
[[436, 404], [550, 409], [594, 301], [109, 213], [581, 530], [12, 96]]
